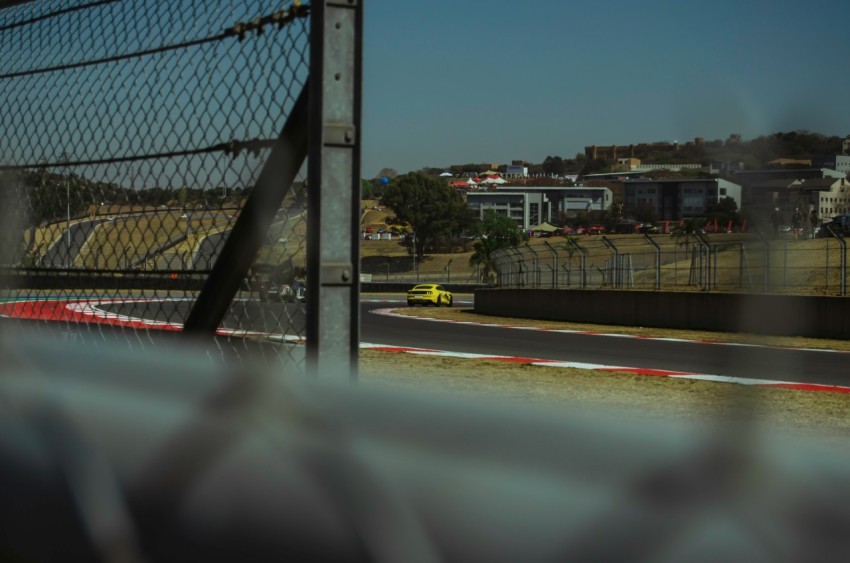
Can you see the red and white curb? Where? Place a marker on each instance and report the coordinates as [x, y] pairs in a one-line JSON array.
[[609, 369], [601, 367], [89, 311]]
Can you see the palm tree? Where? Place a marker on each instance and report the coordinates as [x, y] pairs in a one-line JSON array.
[[484, 249]]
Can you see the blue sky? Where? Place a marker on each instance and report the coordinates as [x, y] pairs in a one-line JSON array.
[[492, 80]]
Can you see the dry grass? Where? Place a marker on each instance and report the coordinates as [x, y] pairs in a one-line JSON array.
[[803, 412]]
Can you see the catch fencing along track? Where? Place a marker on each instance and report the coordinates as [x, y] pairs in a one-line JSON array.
[[162, 150], [736, 262]]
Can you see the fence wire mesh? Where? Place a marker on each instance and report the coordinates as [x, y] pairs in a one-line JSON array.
[[132, 135], [723, 262]]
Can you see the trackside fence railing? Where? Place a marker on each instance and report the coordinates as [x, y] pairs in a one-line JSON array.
[[155, 166], [747, 262]]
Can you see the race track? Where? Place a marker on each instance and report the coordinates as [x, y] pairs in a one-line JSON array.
[[381, 326], [818, 367]]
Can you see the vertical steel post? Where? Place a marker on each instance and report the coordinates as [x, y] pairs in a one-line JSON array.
[[615, 281], [716, 250], [536, 262], [554, 263], [842, 273], [333, 196], [657, 261], [706, 250], [582, 263]]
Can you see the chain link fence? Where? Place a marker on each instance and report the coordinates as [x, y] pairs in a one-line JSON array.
[[135, 135], [432, 269], [723, 262]]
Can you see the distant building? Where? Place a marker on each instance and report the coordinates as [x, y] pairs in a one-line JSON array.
[[635, 165], [516, 171], [766, 189], [678, 198], [789, 162], [641, 150], [830, 196], [839, 163], [533, 205], [584, 199], [523, 207], [626, 163]]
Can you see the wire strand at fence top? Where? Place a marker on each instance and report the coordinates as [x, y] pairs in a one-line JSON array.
[[231, 148], [240, 30], [55, 14]]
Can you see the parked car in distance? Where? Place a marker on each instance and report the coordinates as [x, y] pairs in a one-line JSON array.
[[429, 293], [596, 230], [649, 229]]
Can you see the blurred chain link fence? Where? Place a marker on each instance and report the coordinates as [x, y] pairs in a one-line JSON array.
[[722, 262], [134, 134]]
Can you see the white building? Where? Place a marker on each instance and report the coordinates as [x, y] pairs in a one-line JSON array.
[[829, 196], [530, 206]]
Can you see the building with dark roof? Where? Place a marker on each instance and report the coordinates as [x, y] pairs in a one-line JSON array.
[[765, 189], [678, 198], [829, 196], [838, 162]]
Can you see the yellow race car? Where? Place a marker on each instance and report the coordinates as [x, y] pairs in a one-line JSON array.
[[429, 293]]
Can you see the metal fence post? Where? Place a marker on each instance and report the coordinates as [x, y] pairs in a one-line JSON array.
[[657, 261], [615, 277], [521, 273], [333, 200], [843, 257], [705, 250], [582, 263], [536, 267], [554, 263]]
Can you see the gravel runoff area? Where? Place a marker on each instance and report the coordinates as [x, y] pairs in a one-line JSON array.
[[803, 413]]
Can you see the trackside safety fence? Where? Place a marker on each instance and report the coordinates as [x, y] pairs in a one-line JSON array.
[[154, 172], [717, 262]]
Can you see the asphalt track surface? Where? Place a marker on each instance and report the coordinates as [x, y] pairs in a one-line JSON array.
[[695, 357], [747, 362]]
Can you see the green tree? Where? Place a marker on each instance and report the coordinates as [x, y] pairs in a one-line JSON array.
[[646, 213], [429, 206], [726, 210], [554, 165], [498, 227], [597, 165], [495, 231], [367, 189]]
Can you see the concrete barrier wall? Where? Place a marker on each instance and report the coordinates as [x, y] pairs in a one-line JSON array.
[[778, 315]]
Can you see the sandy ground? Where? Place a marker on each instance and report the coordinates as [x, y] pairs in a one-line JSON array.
[[826, 415]]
